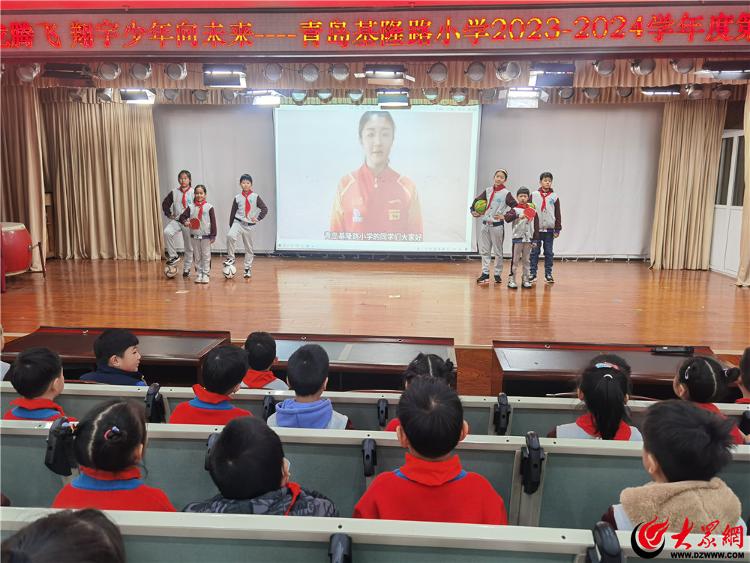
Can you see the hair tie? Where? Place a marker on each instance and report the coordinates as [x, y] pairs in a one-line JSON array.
[[109, 434], [607, 375], [607, 365]]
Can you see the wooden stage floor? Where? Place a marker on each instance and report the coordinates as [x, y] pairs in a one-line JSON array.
[[591, 302]]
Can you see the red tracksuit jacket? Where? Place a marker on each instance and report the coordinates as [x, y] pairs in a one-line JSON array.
[[206, 408], [107, 490], [432, 491], [255, 379], [34, 409]]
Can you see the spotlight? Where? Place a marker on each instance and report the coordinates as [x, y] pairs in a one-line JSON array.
[[75, 94], [299, 96], [726, 70], [140, 71], [176, 71], [393, 98], [592, 93], [624, 91], [171, 94], [200, 95], [508, 71], [642, 67], [566, 93], [27, 73], [551, 75], [224, 76], [475, 71], [108, 71], [137, 96], [694, 91], [385, 75], [438, 73], [356, 95], [683, 66], [488, 95], [523, 97], [604, 67], [104, 94], [340, 71], [431, 95], [459, 95], [324, 95], [723, 92], [228, 95], [268, 98], [272, 72], [309, 72]]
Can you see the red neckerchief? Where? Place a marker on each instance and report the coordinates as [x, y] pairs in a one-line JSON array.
[[184, 196], [544, 195], [495, 189], [743, 401], [431, 473], [528, 211], [36, 404], [200, 208], [247, 202], [295, 489], [203, 394], [587, 424], [129, 473], [258, 379]]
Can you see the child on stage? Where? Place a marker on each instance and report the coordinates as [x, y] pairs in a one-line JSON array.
[[247, 210], [525, 237], [547, 204], [174, 204], [201, 220]]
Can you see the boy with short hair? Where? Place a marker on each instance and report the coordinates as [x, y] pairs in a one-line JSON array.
[[261, 353], [684, 449], [307, 375], [547, 204], [38, 377], [247, 210], [117, 359], [431, 486], [247, 465], [525, 221], [222, 373]]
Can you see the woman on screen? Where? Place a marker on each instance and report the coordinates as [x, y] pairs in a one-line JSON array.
[[375, 201]]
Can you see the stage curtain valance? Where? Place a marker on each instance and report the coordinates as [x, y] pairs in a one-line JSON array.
[[101, 164], [22, 180], [743, 272], [686, 184]]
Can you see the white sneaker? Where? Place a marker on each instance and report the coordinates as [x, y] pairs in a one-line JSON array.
[[198, 278], [248, 273], [205, 279], [229, 261]]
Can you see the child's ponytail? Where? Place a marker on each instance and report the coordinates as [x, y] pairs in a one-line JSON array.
[[706, 379], [430, 365], [604, 387]]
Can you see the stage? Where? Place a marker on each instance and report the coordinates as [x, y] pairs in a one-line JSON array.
[[602, 302]]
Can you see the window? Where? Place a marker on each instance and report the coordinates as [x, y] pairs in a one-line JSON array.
[[730, 188], [739, 173], [725, 169]]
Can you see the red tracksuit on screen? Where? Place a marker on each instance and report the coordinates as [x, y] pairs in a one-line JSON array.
[[108, 490], [432, 491], [206, 408]]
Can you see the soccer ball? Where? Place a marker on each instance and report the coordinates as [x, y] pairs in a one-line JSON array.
[[170, 271], [229, 271], [480, 206]]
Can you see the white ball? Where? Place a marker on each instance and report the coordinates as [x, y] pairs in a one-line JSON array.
[[170, 271], [229, 271]]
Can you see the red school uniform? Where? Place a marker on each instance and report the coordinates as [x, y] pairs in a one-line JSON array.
[[35, 409], [432, 491], [743, 401], [392, 425], [112, 490], [206, 408], [737, 436], [255, 379]]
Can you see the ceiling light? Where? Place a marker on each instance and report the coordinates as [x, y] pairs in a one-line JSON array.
[[137, 96], [200, 95], [683, 66], [393, 98], [27, 73], [488, 95], [431, 94], [592, 93], [299, 96], [475, 71], [356, 95], [108, 71], [339, 71], [508, 71], [642, 67], [224, 76], [624, 91], [140, 71], [459, 95], [523, 98], [228, 95], [551, 75], [661, 90], [324, 95], [605, 67], [273, 71], [176, 71], [104, 94], [723, 92], [694, 91], [268, 98], [566, 93], [171, 94], [309, 72], [438, 73], [385, 75], [726, 70]]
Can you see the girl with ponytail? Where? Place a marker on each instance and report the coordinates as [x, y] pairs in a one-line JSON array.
[[704, 381], [108, 444], [604, 387]]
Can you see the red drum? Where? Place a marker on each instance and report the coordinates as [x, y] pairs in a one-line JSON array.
[[16, 248]]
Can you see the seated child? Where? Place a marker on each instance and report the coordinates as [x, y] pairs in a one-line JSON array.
[[108, 444], [704, 381], [247, 465], [261, 353], [224, 368], [431, 486], [85, 535], [117, 359], [684, 448], [604, 387], [430, 365], [307, 374], [38, 377], [4, 366], [744, 380]]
